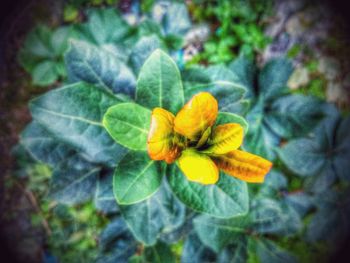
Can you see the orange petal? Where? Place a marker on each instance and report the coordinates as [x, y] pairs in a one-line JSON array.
[[160, 137], [225, 138], [198, 167], [243, 165], [196, 116]]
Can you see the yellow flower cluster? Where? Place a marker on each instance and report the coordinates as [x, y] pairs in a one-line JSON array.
[[200, 148]]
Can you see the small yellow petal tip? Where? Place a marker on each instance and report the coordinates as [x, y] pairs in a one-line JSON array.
[[196, 116]]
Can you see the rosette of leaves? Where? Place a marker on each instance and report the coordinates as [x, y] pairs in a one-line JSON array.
[[274, 114], [159, 85], [322, 157], [42, 54], [68, 134]]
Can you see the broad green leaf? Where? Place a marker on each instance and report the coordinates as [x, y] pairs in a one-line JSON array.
[[227, 198], [195, 251], [142, 50], [216, 233], [136, 178], [73, 114], [104, 197], [175, 234], [161, 213], [273, 217], [299, 201], [116, 243], [159, 83], [45, 73], [260, 139], [73, 182], [303, 156], [43, 146], [322, 180], [149, 27], [227, 117], [103, 26], [273, 78], [176, 20], [245, 70], [274, 182], [294, 115], [100, 67], [128, 125], [159, 253]]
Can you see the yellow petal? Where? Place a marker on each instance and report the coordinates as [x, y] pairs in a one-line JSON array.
[[198, 167], [160, 137], [243, 165], [196, 116], [226, 138]]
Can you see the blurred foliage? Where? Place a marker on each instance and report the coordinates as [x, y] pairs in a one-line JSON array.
[[72, 231], [237, 28]]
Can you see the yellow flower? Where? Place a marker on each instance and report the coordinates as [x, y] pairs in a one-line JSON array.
[[199, 148]]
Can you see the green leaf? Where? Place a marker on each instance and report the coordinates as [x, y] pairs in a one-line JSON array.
[[260, 139], [159, 253], [104, 26], [159, 83], [43, 146], [142, 50], [303, 156], [176, 20], [274, 182], [136, 178], [273, 78], [160, 214], [73, 114], [245, 70], [216, 233], [227, 117], [273, 217], [100, 67], [128, 124], [73, 182], [195, 251], [104, 197], [116, 243], [294, 115], [44, 73], [42, 53], [227, 198]]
